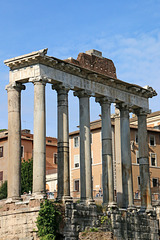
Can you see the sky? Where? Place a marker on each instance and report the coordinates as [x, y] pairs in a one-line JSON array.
[[128, 32]]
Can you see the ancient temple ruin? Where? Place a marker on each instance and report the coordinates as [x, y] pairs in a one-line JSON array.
[[89, 75]]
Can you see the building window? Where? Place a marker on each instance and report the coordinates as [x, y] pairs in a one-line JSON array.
[[152, 140], [55, 158], [22, 151], [49, 141], [76, 161], [137, 157], [76, 185], [92, 157], [91, 137], [155, 182], [136, 138], [132, 145], [139, 182], [1, 176], [153, 159], [1, 151], [76, 142]]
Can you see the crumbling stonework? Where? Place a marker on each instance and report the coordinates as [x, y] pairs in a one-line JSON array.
[[94, 61], [77, 218], [96, 236], [124, 224], [18, 220], [134, 224]]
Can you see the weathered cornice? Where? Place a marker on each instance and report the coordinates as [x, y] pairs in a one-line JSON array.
[[25, 60], [40, 57]]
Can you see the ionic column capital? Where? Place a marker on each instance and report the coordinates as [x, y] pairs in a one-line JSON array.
[[124, 107], [39, 80], [104, 100], [142, 111], [15, 86], [83, 93], [61, 88]]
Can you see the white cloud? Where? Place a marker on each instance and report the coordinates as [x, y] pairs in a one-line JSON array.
[[137, 59]]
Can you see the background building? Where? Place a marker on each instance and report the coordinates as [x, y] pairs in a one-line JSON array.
[[27, 153], [153, 129]]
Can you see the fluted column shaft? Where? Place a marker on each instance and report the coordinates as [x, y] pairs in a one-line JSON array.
[[39, 154], [107, 159], [85, 146], [14, 140], [126, 157], [146, 200], [63, 143]]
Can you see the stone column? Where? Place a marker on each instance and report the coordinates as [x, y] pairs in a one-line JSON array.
[[119, 187], [85, 147], [107, 159], [39, 148], [14, 140], [126, 156], [146, 200], [63, 143]]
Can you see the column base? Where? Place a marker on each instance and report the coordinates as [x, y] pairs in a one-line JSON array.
[[150, 210], [105, 205], [90, 201], [112, 204], [132, 208], [87, 201], [13, 200], [142, 209], [38, 195], [66, 199], [58, 199]]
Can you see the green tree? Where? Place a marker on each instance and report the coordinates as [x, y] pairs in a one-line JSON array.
[[3, 190], [2, 130], [26, 175]]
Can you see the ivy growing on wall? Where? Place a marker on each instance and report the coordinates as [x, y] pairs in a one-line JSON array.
[[48, 221]]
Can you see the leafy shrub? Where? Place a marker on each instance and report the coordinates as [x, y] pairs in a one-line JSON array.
[[48, 221], [105, 220], [3, 190], [26, 175], [93, 229], [99, 208]]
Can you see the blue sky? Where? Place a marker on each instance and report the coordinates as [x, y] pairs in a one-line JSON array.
[[128, 32]]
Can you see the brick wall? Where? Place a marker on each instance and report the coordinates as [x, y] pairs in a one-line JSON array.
[[94, 62]]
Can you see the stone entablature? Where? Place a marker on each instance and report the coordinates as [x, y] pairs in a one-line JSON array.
[[38, 65]]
